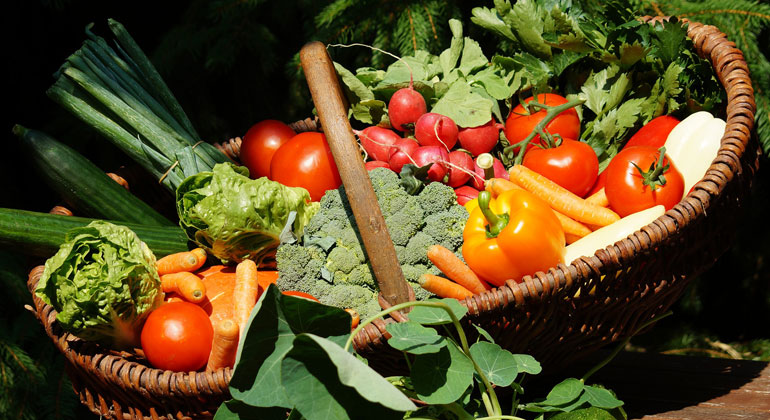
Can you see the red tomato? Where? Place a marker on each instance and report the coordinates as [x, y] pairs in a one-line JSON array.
[[573, 165], [177, 336], [654, 133], [299, 294], [625, 187], [520, 122], [306, 161], [599, 184], [260, 143]]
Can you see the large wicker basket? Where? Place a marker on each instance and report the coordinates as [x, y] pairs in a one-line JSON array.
[[556, 316]]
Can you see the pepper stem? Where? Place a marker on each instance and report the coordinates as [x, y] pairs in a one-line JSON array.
[[496, 222]]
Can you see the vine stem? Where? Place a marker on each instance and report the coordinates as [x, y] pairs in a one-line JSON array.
[[551, 113], [488, 389]]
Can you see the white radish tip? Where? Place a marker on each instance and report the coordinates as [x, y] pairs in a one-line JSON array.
[[485, 161]]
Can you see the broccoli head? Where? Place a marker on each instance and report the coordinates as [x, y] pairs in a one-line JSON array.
[[330, 262]]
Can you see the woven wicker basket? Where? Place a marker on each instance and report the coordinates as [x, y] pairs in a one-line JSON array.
[[557, 316]]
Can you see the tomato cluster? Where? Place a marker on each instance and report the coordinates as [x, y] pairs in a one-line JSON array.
[[271, 148]]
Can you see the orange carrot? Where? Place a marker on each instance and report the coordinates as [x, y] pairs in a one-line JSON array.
[[561, 199], [186, 284], [180, 261], [245, 291], [224, 345], [454, 268], [356, 317], [497, 186], [571, 237], [442, 287], [599, 198], [572, 227]]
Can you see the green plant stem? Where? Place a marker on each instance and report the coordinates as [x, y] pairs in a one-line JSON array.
[[621, 346], [552, 112], [489, 390], [496, 222]]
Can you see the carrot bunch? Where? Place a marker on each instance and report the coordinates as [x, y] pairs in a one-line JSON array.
[[578, 216], [460, 281], [176, 274]]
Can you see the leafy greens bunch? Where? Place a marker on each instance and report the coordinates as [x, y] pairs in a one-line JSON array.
[[302, 367], [626, 71]]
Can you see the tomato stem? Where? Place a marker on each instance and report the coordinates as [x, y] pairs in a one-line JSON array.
[[654, 177], [551, 113], [496, 221]]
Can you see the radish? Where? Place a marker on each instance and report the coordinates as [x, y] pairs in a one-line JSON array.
[[465, 194], [425, 155], [461, 167], [376, 164], [405, 107], [481, 139], [377, 141], [434, 129], [478, 181], [401, 153]]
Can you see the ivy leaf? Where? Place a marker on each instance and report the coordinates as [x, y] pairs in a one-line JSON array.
[[442, 377], [464, 107], [324, 381], [498, 365], [427, 315], [412, 337]]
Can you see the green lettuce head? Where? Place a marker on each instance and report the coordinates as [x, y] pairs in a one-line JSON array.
[[103, 283], [235, 218]]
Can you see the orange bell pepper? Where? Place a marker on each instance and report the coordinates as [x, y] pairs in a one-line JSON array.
[[513, 235]]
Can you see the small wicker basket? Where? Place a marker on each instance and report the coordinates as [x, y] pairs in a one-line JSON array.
[[557, 316]]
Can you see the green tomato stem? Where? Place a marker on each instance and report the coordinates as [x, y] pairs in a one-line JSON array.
[[551, 113]]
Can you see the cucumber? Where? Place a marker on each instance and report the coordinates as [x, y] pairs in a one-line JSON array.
[[41, 234], [82, 184]]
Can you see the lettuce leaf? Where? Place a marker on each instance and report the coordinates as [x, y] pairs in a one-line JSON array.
[[234, 217], [103, 283]]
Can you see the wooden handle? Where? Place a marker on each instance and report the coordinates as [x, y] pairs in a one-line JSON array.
[[332, 110]]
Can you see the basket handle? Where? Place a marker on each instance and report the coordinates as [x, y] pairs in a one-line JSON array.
[[332, 110]]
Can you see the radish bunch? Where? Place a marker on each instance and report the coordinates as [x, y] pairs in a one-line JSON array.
[[424, 138]]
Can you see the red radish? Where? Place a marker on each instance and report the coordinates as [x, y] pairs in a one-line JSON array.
[[402, 153], [478, 181], [481, 139], [377, 141], [376, 164], [405, 107], [465, 194], [434, 129], [425, 155], [461, 167]]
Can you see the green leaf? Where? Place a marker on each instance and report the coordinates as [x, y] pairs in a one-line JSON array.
[[498, 365], [356, 87], [595, 90], [423, 65], [436, 316], [527, 364], [669, 39], [536, 72], [590, 413], [320, 376], [602, 398], [484, 333], [386, 90], [412, 337], [465, 108], [526, 19], [490, 20], [473, 58], [370, 76], [564, 392], [370, 111], [448, 58], [237, 410], [269, 336], [442, 377], [494, 84]]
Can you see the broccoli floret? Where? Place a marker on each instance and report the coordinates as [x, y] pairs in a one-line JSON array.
[[446, 227], [331, 263], [417, 249], [437, 197], [352, 296]]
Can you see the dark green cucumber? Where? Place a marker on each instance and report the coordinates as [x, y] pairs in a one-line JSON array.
[[41, 234], [82, 184]]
